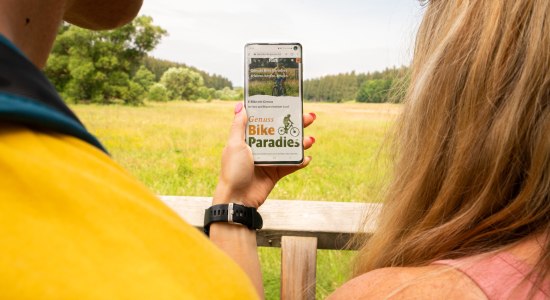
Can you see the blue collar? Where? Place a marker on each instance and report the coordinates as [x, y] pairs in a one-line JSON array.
[[29, 99]]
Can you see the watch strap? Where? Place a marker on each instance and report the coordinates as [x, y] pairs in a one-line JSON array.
[[234, 214]]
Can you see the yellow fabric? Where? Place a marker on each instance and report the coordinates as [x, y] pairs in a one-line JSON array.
[[75, 225]]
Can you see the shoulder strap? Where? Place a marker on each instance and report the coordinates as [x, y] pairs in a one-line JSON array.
[[28, 98], [500, 275]]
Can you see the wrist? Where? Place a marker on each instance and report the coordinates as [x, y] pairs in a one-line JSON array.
[[226, 195], [225, 233]]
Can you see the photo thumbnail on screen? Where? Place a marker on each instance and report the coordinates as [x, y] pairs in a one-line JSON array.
[[274, 77]]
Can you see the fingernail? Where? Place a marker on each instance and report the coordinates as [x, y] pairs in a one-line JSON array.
[[238, 107], [312, 139], [313, 115]]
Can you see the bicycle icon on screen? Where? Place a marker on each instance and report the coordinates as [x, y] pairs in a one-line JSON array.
[[288, 127]]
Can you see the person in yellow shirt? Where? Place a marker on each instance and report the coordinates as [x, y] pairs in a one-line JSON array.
[[74, 224]]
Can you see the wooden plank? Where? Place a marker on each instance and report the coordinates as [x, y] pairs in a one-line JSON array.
[[325, 240], [316, 216], [298, 267], [333, 223], [191, 209]]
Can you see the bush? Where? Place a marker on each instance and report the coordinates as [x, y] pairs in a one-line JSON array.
[[182, 83], [136, 93], [229, 94], [206, 93], [157, 92], [144, 77]]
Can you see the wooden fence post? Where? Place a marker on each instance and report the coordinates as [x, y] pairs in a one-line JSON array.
[[298, 267]]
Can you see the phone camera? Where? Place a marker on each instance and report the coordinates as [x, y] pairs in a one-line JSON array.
[[295, 48]]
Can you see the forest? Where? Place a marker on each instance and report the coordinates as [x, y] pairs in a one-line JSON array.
[[374, 87]]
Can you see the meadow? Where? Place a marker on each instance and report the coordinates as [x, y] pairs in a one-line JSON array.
[[175, 148], [259, 87]]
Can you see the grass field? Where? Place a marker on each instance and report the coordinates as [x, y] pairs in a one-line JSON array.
[[175, 149], [266, 87]]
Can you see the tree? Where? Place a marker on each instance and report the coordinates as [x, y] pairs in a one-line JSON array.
[[159, 66], [182, 83], [98, 66], [375, 91], [144, 77], [157, 92], [206, 93]]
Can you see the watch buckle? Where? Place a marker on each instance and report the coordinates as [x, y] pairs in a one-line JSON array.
[[230, 212]]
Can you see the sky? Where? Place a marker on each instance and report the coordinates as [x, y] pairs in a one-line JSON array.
[[337, 36]]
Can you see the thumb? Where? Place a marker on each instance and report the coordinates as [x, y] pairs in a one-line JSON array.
[[237, 134]]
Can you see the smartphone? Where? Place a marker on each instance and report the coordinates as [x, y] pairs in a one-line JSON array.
[[274, 103]]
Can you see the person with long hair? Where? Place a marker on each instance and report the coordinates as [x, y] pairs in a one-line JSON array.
[[467, 214]]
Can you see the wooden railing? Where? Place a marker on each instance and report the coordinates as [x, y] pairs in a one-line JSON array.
[[299, 228]]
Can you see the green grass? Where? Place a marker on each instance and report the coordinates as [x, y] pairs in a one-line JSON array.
[[261, 87], [175, 149]]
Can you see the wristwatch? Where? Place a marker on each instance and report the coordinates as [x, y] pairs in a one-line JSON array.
[[232, 213]]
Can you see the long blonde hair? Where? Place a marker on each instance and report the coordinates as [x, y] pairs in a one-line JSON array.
[[472, 169]]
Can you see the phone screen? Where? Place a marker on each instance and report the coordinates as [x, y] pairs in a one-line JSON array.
[[273, 101]]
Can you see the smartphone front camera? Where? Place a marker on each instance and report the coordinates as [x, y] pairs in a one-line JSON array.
[[295, 48]]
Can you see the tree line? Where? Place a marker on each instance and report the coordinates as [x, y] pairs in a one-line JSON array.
[[373, 87], [114, 67], [159, 66]]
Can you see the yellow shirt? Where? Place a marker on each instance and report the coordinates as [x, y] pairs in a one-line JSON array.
[[75, 225]]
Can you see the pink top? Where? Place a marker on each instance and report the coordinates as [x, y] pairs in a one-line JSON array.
[[499, 276]]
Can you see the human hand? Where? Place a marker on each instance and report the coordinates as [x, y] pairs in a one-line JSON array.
[[240, 180]]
